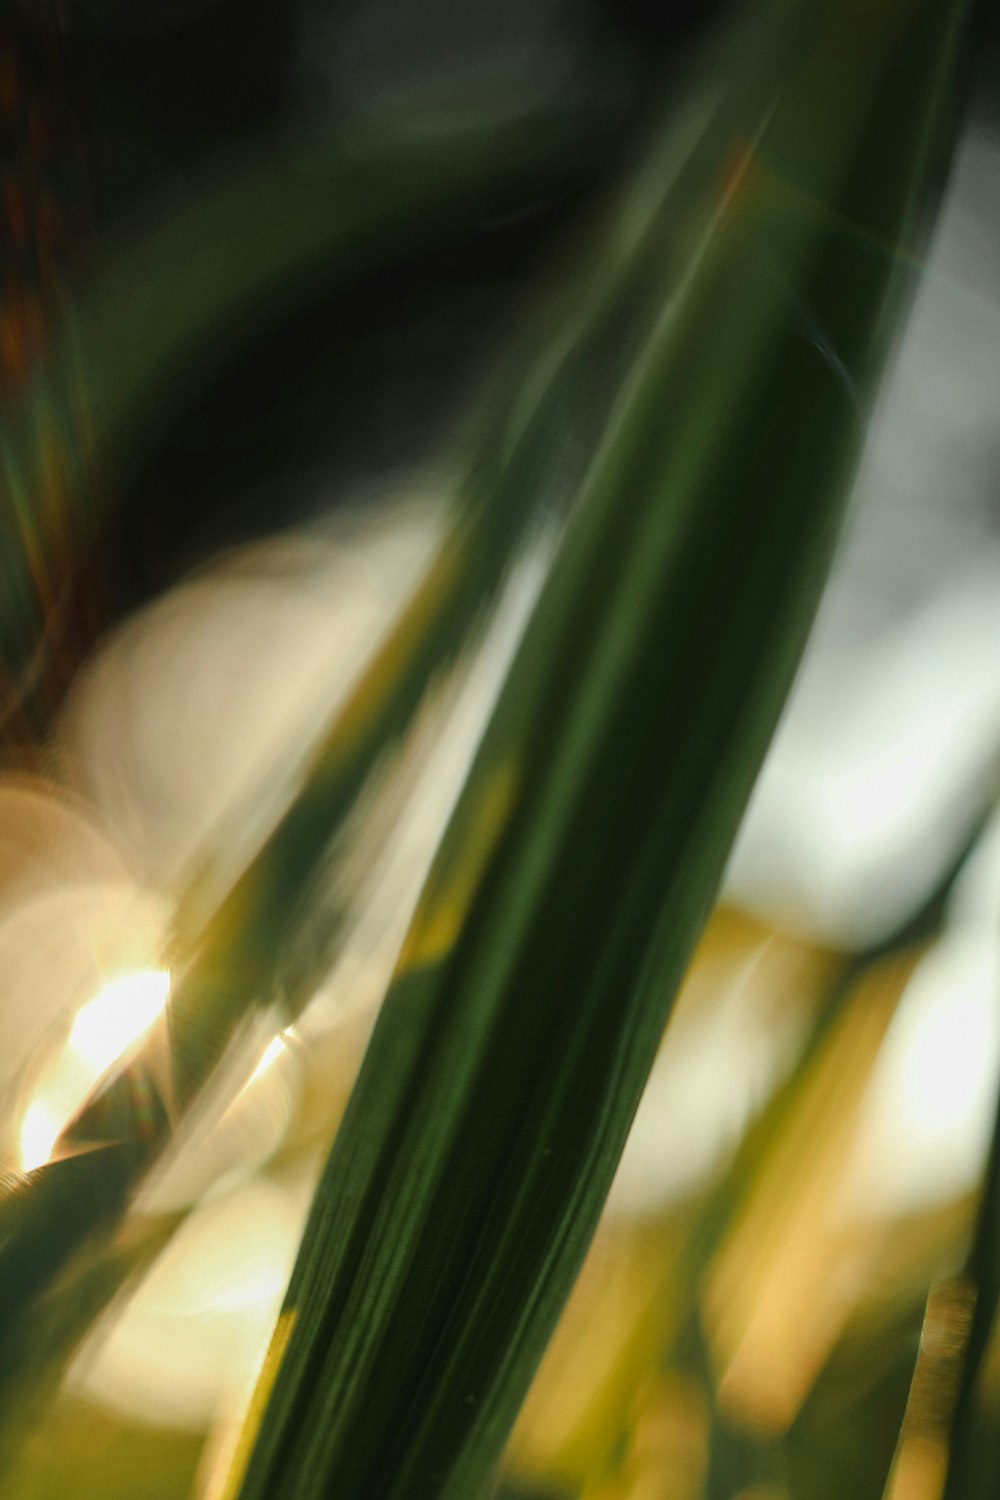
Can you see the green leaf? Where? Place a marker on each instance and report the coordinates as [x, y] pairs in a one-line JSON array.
[[233, 954], [973, 1457], [339, 200], [534, 445], [584, 853], [534, 441]]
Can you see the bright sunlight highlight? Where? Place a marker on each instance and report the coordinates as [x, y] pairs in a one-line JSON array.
[[39, 1132], [118, 1016], [103, 1032]]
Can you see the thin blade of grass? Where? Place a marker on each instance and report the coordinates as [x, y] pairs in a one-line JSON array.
[[583, 856], [534, 445]]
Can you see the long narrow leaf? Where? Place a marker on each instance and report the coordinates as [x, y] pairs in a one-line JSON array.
[[532, 449], [498, 1089], [535, 447]]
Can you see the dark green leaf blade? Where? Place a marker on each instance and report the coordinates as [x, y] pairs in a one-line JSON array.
[[584, 854]]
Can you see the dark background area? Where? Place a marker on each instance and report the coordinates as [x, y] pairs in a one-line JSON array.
[[361, 383]]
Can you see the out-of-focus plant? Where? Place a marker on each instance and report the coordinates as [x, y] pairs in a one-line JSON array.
[[508, 1058], [678, 448]]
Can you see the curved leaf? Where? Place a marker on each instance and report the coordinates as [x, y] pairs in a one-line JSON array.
[[583, 856]]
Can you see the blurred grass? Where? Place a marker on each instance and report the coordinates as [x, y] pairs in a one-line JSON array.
[[480, 1106], [688, 434]]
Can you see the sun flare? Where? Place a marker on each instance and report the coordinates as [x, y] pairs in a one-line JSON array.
[[104, 1030]]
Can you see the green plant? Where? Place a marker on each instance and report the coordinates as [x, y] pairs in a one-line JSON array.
[[686, 434]]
